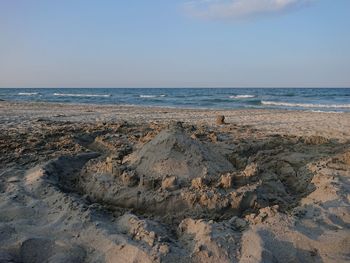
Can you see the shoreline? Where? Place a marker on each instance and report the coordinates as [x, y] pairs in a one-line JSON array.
[[297, 122], [166, 107], [46, 103]]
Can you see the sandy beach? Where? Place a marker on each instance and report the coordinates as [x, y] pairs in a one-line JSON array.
[[93, 183]]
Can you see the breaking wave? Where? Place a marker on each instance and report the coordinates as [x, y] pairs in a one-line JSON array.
[[152, 96], [82, 95], [28, 93], [305, 105], [242, 96]]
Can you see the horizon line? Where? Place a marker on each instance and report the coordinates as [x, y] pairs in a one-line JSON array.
[[174, 87]]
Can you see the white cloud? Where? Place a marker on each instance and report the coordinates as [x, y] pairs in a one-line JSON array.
[[236, 9]]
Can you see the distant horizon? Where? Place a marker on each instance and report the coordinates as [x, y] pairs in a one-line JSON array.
[[175, 87]]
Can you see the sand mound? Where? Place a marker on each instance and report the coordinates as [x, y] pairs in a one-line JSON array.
[[174, 153]]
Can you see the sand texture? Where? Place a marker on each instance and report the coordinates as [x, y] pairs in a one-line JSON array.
[[87, 183]]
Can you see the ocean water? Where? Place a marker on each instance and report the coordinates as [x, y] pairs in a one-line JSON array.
[[326, 99]]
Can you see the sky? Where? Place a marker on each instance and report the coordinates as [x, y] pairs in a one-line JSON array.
[[175, 43]]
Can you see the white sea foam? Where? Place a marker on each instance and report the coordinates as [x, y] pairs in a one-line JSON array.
[[148, 96], [322, 111], [305, 105], [28, 93], [242, 96], [151, 96], [81, 95]]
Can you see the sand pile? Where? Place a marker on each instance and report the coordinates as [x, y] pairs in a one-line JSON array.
[[158, 177], [174, 153]]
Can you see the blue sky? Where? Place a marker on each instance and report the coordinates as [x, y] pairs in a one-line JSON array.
[[178, 43]]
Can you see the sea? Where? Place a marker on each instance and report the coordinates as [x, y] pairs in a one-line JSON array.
[[306, 99]]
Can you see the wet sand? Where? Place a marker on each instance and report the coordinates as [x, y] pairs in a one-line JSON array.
[[92, 183]]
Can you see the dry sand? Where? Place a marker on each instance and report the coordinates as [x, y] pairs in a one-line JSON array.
[[87, 183]]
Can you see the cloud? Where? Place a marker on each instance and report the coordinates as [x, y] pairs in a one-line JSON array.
[[238, 9]]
